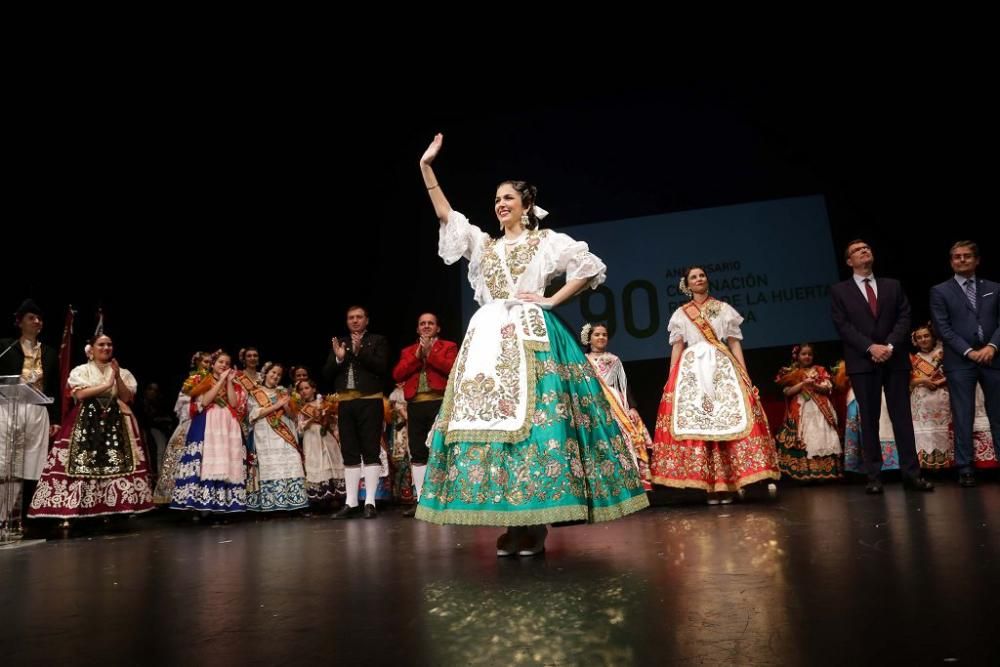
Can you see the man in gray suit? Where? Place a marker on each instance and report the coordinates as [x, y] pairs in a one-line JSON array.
[[965, 310]]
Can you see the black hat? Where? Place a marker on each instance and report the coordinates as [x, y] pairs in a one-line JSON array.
[[29, 306]]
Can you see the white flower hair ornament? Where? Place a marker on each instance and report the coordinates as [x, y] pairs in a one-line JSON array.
[[682, 286]]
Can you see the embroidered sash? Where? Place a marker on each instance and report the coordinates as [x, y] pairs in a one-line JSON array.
[[821, 401], [274, 419], [693, 313], [923, 369], [634, 433], [712, 393]]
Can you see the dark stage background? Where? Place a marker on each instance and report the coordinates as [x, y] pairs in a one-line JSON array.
[[211, 212]]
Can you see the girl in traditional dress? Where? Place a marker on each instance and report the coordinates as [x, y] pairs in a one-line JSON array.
[[808, 445], [250, 361], [399, 450], [275, 438], [324, 462], [929, 402], [931, 407], [200, 361], [852, 428], [610, 370], [212, 473]]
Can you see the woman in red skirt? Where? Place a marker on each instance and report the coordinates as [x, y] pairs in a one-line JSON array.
[[711, 431]]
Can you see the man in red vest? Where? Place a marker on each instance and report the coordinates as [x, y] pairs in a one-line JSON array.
[[423, 369]]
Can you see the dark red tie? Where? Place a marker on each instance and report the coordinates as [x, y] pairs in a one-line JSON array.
[[872, 299]]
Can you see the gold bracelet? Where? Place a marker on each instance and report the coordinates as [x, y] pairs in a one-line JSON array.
[[433, 186]]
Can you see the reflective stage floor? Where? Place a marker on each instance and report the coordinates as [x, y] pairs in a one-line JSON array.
[[821, 575]]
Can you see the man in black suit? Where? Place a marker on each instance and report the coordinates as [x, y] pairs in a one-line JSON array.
[[873, 319], [357, 367], [966, 314]]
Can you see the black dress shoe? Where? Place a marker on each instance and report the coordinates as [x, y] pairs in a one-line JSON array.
[[410, 511], [370, 512], [874, 487], [347, 512], [917, 484], [967, 479]]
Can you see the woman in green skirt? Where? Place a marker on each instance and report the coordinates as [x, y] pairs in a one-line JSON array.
[[525, 436]]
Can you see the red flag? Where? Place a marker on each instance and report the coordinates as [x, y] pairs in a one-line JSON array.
[[66, 361]]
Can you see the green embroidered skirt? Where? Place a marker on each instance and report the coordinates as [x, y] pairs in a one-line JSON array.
[[574, 464]]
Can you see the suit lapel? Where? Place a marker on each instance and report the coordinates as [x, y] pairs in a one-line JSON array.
[[880, 297], [860, 298], [960, 293]]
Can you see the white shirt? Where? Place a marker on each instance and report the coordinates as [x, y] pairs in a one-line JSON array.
[[860, 282], [961, 282], [724, 320]]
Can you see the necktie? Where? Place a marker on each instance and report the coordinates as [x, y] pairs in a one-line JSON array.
[[872, 299], [970, 295]]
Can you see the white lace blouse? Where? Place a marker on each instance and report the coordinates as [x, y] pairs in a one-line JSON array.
[[500, 270]]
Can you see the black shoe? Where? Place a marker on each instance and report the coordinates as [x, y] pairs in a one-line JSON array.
[[917, 484], [370, 512], [874, 487], [410, 511], [967, 479], [347, 512]]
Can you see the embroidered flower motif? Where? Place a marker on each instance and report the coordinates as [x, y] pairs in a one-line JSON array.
[[711, 309]]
